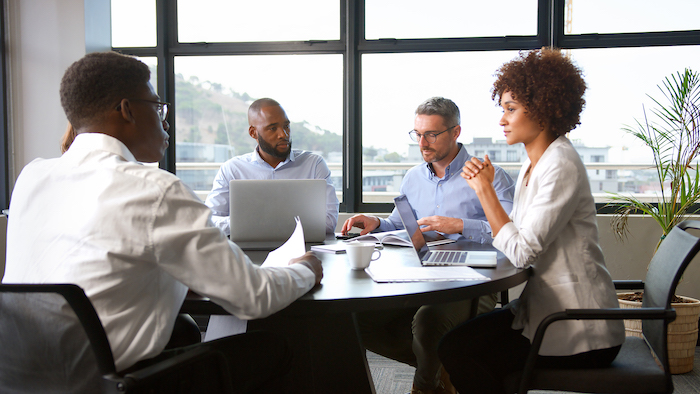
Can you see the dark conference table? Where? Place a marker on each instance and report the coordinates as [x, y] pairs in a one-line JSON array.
[[320, 327]]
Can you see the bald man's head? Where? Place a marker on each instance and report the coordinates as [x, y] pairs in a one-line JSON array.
[[259, 104], [270, 126]]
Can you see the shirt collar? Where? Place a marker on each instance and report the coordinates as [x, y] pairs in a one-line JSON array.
[[86, 142], [458, 161], [260, 160]]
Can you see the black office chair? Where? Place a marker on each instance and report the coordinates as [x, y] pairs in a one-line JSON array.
[[635, 370], [51, 340]]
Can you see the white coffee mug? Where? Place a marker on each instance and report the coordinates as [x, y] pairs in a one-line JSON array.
[[360, 254]]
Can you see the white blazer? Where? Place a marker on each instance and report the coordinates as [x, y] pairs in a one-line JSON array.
[[554, 230]]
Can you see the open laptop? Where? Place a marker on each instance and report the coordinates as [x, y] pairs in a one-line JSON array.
[[477, 259], [262, 211]]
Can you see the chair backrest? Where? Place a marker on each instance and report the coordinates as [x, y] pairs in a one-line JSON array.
[[665, 270], [51, 340]]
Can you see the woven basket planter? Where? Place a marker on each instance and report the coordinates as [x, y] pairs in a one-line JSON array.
[[682, 332]]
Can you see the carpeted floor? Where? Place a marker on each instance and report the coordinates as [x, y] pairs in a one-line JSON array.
[[391, 377]]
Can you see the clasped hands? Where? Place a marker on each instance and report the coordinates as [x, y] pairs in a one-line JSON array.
[[478, 174]]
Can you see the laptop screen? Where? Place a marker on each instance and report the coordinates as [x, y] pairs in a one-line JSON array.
[[262, 211], [411, 224]]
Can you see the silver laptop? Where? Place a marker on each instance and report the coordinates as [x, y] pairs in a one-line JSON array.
[[262, 211], [478, 259]]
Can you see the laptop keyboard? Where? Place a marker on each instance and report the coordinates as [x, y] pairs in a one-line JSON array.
[[446, 256]]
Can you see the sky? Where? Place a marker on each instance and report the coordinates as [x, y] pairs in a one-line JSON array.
[[310, 86]]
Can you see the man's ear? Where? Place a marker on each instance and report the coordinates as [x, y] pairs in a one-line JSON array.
[[252, 133], [124, 108], [457, 132]]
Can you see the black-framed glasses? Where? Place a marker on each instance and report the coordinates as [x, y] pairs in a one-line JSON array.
[[162, 108], [430, 136]]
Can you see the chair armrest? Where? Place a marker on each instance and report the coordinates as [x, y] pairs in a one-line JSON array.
[[586, 314], [628, 284], [608, 314], [172, 365]]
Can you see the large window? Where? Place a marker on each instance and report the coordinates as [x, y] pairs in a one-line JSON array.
[[134, 23], [386, 19], [393, 85], [254, 21], [350, 74], [631, 16], [212, 94]]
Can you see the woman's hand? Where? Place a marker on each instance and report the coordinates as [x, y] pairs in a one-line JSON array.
[[478, 174]]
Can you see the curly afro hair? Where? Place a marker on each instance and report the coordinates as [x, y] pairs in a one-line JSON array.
[[547, 84], [97, 82]]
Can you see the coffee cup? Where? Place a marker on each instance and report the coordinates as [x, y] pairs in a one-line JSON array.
[[360, 254]]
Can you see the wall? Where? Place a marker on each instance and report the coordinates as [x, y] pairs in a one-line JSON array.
[[629, 259], [44, 38]]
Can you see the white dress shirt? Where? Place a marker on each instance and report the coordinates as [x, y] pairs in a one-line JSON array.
[[554, 230], [298, 165], [134, 237]]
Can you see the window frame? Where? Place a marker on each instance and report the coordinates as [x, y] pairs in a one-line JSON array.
[[352, 45], [5, 150]]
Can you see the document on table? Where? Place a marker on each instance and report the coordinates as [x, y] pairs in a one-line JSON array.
[[294, 247], [224, 325], [384, 274]]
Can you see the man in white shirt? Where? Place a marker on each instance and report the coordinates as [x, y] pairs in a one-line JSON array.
[[134, 237], [273, 158]]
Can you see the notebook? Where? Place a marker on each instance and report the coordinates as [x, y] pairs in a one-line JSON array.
[[480, 259], [262, 211]]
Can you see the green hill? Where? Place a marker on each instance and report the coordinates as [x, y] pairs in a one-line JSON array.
[[207, 114]]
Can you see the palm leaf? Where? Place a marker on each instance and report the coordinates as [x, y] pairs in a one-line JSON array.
[[671, 131]]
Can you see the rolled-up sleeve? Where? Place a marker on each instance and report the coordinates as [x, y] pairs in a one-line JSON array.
[[332, 204], [218, 200]]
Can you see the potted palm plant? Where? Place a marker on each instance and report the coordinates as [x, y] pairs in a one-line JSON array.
[[673, 135]]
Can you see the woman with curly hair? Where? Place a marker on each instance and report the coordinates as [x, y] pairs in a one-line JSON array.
[[552, 228]]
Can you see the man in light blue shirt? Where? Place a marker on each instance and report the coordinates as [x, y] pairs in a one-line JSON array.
[[441, 200], [445, 203], [273, 158]]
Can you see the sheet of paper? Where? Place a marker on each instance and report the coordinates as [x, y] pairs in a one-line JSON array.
[[381, 273], [294, 247], [222, 326]]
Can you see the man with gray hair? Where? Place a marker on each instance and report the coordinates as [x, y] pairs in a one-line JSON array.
[[442, 202]]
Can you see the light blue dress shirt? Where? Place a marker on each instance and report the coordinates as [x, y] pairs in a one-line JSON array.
[[450, 196], [299, 165]]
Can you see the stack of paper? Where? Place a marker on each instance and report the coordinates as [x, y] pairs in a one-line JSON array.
[[381, 273], [400, 238]]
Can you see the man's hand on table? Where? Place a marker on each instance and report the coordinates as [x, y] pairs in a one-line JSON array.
[[443, 224], [366, 223], [310, 260]]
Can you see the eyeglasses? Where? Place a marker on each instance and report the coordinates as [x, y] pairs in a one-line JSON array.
[[162, 108], [430, 136]]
